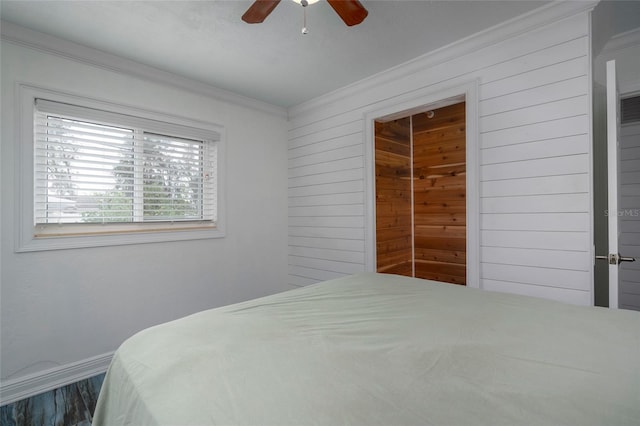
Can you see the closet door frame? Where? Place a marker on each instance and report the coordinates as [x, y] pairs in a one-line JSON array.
[[413, 103]]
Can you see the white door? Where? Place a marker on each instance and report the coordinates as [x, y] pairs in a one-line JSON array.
[[613, 164]]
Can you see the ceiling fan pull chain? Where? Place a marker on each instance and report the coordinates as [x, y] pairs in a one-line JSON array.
[[304, 4]]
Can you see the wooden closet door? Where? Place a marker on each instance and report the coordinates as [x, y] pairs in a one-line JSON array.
[[439, 192]]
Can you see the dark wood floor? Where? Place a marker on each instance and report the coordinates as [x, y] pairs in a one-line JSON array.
[[71, 405]]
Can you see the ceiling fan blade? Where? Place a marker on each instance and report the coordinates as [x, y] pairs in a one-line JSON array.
[[259, 11], [352, 12]]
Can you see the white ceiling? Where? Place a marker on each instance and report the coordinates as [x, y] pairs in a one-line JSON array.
[[272, 61]]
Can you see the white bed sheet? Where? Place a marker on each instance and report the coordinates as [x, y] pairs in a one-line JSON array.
[[373, 349]]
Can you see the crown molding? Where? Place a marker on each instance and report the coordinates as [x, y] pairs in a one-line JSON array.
[[13, 390], [544, 15], [26, 37], [611, 50], [623, 41]]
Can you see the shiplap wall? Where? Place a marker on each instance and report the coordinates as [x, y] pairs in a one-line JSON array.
[[629, 296], [535, 172]]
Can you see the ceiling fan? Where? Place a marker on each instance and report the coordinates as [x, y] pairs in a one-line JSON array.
[[351, 11]]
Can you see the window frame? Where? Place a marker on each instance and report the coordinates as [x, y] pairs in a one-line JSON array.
[[154, 232]]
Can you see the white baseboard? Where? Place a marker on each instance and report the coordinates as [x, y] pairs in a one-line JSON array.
[[13, 390]]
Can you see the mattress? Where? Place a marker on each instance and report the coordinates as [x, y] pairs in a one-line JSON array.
[[376, 349]]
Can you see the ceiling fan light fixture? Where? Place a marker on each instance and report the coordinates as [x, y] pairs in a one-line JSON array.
[[352, 12]]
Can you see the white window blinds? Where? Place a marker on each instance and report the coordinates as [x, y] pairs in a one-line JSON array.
[[101, 167]]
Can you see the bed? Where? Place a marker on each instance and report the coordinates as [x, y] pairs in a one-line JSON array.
[[376, 349]]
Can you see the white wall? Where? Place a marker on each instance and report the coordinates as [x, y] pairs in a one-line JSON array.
[[535, 157], [64, 311]]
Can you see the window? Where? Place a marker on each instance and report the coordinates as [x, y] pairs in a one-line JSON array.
[[106, 177]]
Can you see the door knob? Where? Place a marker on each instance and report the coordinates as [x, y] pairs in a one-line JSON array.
[[615, 259]]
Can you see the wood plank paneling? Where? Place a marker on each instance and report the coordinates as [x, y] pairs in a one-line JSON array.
[[323, 264], [538, 185], [301, 275], [553, 166], [338, 176], [326, 221], [394, 249], [446, 242], [421, 173], [439, 148], [328, 167], [551, 55], [571, 222], [405, 269], [578, 297], [443, 272], [570, 260], [558, 147], [321, 133], [543, 112], [393, 259], [456, 181], [330, 232], [550, 92], [443, 219], [348, 151], [558, 203], [539, 77], [535, 275], [328, 254], [324, 145], [444, 256], [533, 105], [327, 199], [341, 187], [536, 131], [347, 244], [339, 210], [550, 240]]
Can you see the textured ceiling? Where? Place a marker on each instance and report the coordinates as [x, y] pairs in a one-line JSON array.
[[272, 61]]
